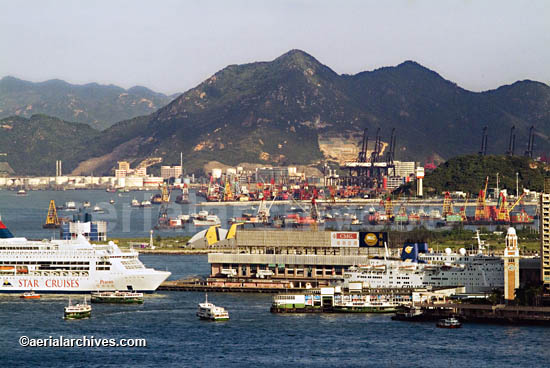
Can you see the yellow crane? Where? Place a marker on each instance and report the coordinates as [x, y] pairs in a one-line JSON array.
[[52, 221], [481, 208], [227, 193], [503, 214], [165, 194]]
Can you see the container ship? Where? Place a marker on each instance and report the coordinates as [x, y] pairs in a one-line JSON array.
[[71, 266]]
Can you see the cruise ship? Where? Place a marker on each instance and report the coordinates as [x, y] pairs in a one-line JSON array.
[[64, 266], [419, 268]]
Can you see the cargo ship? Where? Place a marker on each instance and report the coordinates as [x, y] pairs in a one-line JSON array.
[[71, 266]]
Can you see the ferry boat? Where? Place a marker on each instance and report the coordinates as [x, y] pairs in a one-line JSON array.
[[77, 311], [119, 297], [30, 295], [449, 323], [211, 312], [64, 266], [418, 268], [333, 300]]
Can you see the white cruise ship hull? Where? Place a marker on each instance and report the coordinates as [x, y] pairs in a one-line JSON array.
[[62, 284], [71, 266]]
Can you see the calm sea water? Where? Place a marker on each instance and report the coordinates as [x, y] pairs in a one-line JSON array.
[[253, 337], [25, 215]]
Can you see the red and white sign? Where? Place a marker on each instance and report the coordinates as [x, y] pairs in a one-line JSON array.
[[344, 239]]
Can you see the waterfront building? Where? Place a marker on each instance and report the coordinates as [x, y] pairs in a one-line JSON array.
[[315, 257], [404, 169], [167, 172]]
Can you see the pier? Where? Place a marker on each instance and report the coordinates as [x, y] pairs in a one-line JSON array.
[[482, 313], [224, 287]]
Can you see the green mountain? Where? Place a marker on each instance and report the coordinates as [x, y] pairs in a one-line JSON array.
[[468, 174], [99, 106], [289, 110], [34, 144]]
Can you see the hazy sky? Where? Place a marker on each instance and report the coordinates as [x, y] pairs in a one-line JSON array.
[[171, 46]]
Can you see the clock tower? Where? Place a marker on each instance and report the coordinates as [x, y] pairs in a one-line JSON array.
[[511, 265]]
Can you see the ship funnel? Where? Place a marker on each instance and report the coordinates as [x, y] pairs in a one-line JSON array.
[[4, 232]]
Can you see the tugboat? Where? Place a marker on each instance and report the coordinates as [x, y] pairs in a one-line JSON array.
[[119, 297], [30, 295], [210, 312], [77, 311], [450, 322]]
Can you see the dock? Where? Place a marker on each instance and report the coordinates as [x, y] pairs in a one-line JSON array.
[[483, 313], [203, 286]]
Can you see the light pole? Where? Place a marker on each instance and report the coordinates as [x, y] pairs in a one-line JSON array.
[[517, 185]]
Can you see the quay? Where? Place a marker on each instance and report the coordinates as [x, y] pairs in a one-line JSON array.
[[225, 287], [482, 313]]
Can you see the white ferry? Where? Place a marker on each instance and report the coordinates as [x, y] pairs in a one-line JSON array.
[[417, 268], [61, 266], [211, 312]]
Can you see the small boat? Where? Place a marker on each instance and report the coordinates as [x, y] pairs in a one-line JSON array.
[[208, 220], [30, 295], [21, 192], [119, 297], [70, 206], [449, 323], [111, 201], [98, 209], [145, 204], [86, 204], [77, 311], [135, 203], [210, 312]]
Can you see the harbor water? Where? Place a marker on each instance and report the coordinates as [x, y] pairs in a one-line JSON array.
[[24, 215], [253, 337]]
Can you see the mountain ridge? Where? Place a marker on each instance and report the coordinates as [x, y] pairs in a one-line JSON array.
[[289, 110], [96, 104]]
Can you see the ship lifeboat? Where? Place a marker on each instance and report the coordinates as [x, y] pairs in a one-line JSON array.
[[410, 268], [6, 268], [379, 268], [365, 267]]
